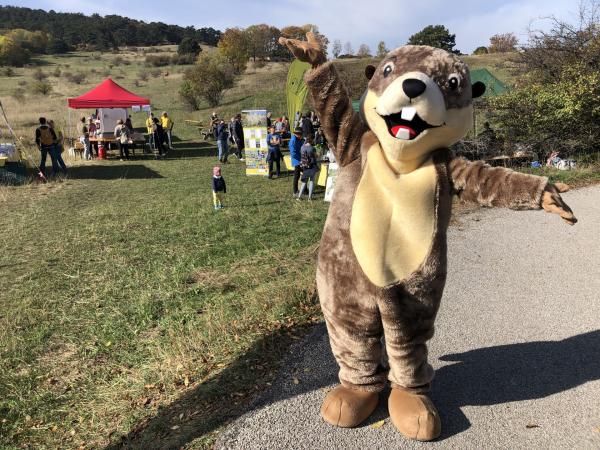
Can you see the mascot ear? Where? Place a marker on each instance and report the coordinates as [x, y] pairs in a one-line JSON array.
[[369, 71], [478, 89]]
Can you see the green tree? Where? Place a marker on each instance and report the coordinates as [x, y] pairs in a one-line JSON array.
[[188, 95], [381, 49], [482, 50], [12, 54], [57, 46], [263, 41], [41, 87], [235, 48], [208, 79], [435, 36], [189, 46]]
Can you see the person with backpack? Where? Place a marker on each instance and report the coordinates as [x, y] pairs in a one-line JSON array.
[[122, 134], [45, 137], [308, 164]]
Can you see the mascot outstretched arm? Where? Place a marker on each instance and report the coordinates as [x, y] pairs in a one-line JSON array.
[[382, 260]]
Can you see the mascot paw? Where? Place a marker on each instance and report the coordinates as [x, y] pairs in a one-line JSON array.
[[552, 202], [347, 408], [414, 415], [310, 51]]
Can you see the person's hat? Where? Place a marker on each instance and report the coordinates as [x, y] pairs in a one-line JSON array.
[[298, 130]]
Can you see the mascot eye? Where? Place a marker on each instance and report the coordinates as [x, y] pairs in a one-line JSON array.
[[388, 69], [453, 82]]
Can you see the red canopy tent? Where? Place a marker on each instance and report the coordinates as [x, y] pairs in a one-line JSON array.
[[107, 94]]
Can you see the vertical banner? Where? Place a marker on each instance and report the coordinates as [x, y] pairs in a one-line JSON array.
[[296, 89], [255, 139]]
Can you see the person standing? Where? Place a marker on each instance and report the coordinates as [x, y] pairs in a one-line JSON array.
[[159, 136], [93, 130], [238, 136], [269, 120], [129, 124], [309, 168], [167, 125], [222, 136], [150, 129], [274, 155], [307, 126], [45, 139], [58, 147], [122, 136], [214, 124], [296, 143], [219, 189], [84, 138]]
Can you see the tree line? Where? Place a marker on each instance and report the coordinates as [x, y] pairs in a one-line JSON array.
[[215, 72], [94, 32]]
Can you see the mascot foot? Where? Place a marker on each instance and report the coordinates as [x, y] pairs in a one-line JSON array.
[[414, 415], [347, 408]]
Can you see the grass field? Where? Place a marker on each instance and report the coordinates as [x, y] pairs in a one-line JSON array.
[[122, 290], [131, 314]]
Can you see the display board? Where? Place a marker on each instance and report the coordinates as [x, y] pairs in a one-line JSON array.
[[255, 141], [109, 117]]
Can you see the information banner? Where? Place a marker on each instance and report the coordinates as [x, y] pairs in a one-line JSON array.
[[255, 140]]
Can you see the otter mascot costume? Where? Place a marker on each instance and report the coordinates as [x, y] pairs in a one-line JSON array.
[[382, 259]]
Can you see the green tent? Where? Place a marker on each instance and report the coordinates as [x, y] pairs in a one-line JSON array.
[[296, 87], [493, 86]]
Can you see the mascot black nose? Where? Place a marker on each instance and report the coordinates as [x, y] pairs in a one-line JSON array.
[[413, 87]]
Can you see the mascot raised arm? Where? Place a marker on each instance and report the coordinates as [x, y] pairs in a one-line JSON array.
[[382, 259]]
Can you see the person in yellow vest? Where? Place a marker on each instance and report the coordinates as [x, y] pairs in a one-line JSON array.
[[167, 125], [150, 128]]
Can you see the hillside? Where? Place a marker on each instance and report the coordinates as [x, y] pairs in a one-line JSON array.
[[100, 33], [257, 88]]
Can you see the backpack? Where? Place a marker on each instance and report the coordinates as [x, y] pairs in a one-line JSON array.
[[46, 138]]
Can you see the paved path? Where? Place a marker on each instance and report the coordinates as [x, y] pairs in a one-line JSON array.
[[516, 350]]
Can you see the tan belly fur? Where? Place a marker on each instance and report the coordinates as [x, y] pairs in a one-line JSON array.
[[393, 219]]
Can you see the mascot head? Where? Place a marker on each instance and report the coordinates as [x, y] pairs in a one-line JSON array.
[[418, 99]]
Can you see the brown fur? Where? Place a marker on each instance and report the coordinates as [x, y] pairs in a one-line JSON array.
[[358, 313]]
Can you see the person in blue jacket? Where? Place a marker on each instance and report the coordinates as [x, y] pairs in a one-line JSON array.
[[296, 143]]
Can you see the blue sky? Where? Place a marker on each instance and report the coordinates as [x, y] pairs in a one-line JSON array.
[[368, 21]]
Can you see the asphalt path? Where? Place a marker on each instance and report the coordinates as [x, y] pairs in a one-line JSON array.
[[516, 349]]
